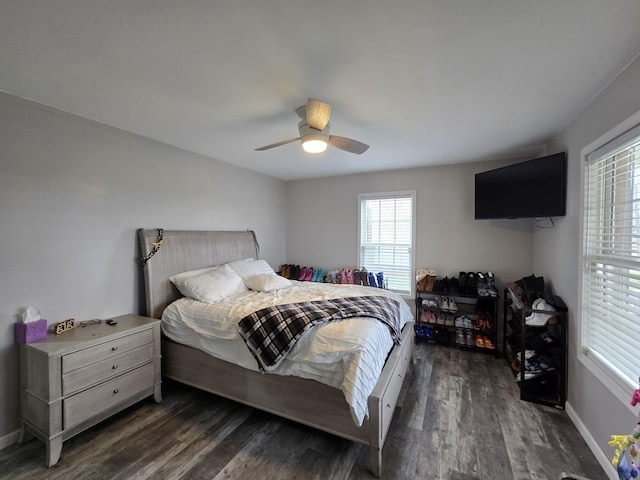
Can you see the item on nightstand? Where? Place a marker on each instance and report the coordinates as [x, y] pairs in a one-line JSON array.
[[32, 327], [64, 326]]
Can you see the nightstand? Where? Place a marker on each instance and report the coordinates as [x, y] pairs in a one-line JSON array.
[[70, 382]]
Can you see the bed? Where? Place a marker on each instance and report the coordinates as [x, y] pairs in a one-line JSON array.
[[169, 252]]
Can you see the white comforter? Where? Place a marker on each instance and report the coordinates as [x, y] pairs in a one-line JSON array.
[[347, 354]]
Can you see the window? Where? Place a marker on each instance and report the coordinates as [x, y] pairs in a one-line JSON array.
[[611, 256], [386, 237]]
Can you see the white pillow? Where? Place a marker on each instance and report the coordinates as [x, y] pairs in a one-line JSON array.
[[210, 284], [248, 269], [267, 282]]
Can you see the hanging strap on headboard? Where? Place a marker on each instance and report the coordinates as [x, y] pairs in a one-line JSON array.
[[155, 247], [255, 239]]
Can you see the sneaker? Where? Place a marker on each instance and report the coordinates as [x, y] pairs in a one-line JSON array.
[[424, 317], [459, 322], [460, 337], [444, 304], [440, 319], [491, 284], [468, 324], [431, 303], [481, 284], [448, 320], [469, 340], [452, 306]]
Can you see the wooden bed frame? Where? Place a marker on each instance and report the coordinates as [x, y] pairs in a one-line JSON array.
[[301, 400]]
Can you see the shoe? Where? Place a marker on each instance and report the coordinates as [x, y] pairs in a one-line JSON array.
[[460, 337], [481, 284], [342, 276], [421, 280], [372, 279], [357, 280], [448, 320], [468, 324], [444, 304], [380, 279], [491, 284], [331, 276], [424, 317], [479, 341], [462, 283], [469, 341], [364, 277], [488, 343], [432, 317], [453, 286], [295, 274], [310, 273], [530, 288], [284, 270], [452, 306], [430, 280], [472, 287], [440, 319], [459, 323], [445, 285]]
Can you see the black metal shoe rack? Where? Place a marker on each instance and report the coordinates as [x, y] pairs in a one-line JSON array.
[[542, 375], [482, 311]]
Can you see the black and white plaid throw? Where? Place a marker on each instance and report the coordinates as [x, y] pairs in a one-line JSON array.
[[270, 333]]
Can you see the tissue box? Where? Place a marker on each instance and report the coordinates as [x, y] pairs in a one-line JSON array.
[[31, 331]]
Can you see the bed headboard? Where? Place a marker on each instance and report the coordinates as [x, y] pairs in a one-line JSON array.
[[184, 250]]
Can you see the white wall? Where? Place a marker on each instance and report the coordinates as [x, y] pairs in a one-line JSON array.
[[322, 222], [556, 255], [73, 193]]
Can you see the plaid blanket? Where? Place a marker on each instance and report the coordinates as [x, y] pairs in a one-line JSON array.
[[270, 333]]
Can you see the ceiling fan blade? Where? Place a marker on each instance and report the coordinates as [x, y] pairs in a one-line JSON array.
[[348, 144], [277, 144], [318, 113]]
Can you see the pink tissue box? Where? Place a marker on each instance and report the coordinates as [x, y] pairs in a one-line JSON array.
[[31, 331]]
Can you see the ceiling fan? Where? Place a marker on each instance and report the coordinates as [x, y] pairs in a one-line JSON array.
[[314, 131]]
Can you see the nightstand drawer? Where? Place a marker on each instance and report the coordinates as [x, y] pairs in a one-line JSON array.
[[99, 371], [106, 350], [94, 400]]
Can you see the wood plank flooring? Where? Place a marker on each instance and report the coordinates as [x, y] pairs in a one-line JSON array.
[[459, 418]]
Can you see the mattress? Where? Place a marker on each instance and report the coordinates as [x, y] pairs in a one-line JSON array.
[[347, 354]]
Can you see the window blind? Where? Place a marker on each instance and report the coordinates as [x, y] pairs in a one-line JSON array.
[[386, 238], [611, 274]]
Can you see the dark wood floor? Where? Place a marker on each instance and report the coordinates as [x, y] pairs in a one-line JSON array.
[[459, 418]]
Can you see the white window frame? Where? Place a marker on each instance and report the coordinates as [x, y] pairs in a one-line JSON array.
[[619, 385], [388, 195]]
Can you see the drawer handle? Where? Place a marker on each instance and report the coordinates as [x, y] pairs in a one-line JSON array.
[[116, 391], [113, 349], [114, 367]]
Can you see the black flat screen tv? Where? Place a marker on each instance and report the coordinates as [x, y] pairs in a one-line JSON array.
[[535, 188]]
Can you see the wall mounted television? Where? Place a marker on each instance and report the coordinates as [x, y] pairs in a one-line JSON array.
[[535, 188]]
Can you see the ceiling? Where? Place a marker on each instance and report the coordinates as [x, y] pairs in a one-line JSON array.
[[423, 82]]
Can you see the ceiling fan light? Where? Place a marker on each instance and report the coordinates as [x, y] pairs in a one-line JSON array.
[[314, 146]]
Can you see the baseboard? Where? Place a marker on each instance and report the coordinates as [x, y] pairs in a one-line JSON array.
[[9, 439], [601, 456]]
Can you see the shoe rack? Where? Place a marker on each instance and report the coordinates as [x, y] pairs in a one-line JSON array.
[[537, 351], [458, 320]]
